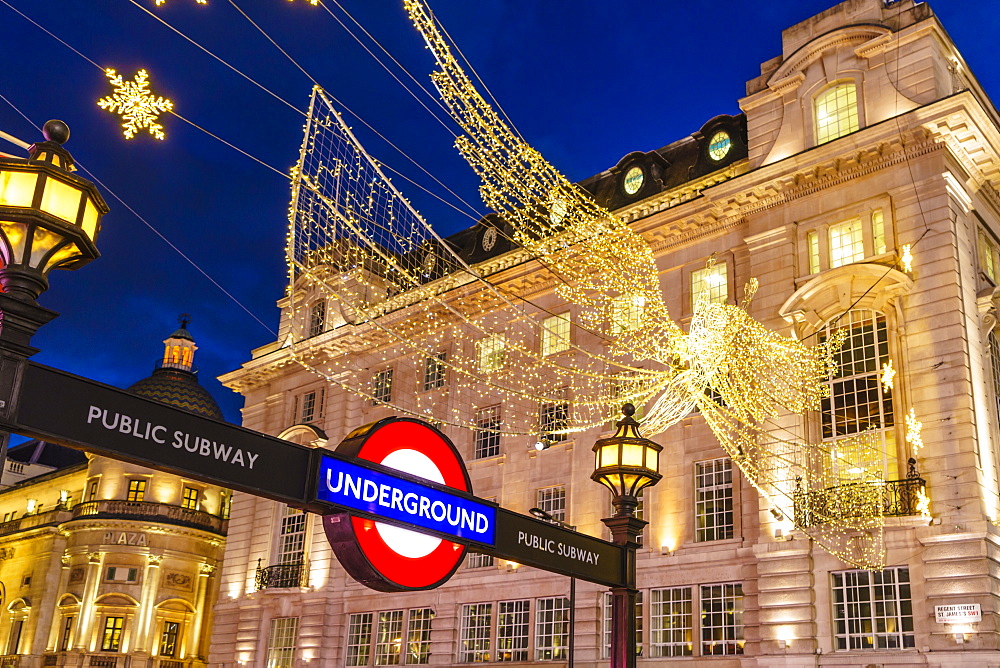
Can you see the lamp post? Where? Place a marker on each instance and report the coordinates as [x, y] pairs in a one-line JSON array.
[[49, 219], [626, 463]]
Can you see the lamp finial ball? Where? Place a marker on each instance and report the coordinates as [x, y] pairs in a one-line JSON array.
[[55, 130], [628, 410]]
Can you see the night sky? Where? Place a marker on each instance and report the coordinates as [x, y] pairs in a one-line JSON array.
[[586, 82]]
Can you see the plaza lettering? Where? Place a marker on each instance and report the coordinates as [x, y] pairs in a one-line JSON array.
[[124, 538], [557, 548], [181, 440]]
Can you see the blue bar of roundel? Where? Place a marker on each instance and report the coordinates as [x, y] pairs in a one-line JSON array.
[[384, 495]]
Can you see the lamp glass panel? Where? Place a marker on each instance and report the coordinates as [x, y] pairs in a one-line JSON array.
[[61, 200], [67, 252], [42, 242], [632, 454], [90, 218], [17, 188], [653, 459], [628, 482], [16, 233], [609, 456]]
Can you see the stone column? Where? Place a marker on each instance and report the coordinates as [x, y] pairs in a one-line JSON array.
[[85, 623], [143, 630], [196, 645]]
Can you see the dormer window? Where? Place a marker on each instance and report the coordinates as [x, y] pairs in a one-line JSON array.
[[836, 112]]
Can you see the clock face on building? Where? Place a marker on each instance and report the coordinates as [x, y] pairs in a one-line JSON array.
[[718, 147], [489, 239], [633, 180]]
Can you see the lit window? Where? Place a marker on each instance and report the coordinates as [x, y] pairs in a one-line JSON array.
[[418, 636], [552, 500], [988, 259], [388, 638], [626, 313], [434, 371], [225, 505], [281, 642], [512, 630], [721, 619], [14, 639], [122, 574], [491, 352], [291, 536], [878, 231], [710, 284], [474, 633], [847, 243], [92, 491], [719, 145], [670, 622], [836, 113], [136, 489], [479, 560], [111, 639], [359, 639], [553, 419], [168, 638], [812, 239], [555, 334], [317, 318], [487, 435], [607, 623], [634, 178], [382, 387], [857, 402], [551, 628], [713, 499], [309, 406], [872, 609], [191, 497]]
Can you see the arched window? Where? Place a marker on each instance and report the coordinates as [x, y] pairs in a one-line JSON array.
[[858, 402], [836, 112], [317, 318]]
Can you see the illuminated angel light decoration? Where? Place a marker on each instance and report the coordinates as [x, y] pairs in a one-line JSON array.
[[135, 103], [888, 376], [414, 310], [913, 429], [906, 259]]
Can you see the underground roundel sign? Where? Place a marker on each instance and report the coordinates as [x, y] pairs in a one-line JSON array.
[[383, 556]]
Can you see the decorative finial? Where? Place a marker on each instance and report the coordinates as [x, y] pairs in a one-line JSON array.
[[628, 410], [55, 131], [184, 319]]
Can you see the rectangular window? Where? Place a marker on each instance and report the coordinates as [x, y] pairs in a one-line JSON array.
[[292, 536], [847, 243], [836, 113], [168, 638], [987, 257], [122, 574], [474, 633], [191, 498], [710, 284], [553, 501], [812, 241], [553, 418], [491, 353], [434, 371], [14, 640], [418, 636], [225, 505], [111, 639], [359, 639], [479, 560], [872, 609], [281, 642], [10, 517], [878, 231], [670, 622], [67, 632], [389, 638], [317, 318], [607, 623], [713, 499], [626, 313], [136, 489], [551, 628], [311, 406], [92, 491], [487, 436], [555, 334], [512, 630], [721, 619], [382, 387]]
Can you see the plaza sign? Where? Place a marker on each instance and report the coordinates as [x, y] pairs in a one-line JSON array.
[[396, 497]]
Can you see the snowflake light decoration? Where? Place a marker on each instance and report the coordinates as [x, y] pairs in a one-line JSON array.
[[888, 375], [913, 428], [137, 106]]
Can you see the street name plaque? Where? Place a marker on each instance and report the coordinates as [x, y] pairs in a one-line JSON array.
[[62, 408]]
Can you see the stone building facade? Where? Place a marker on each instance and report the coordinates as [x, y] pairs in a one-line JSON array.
[[105, 563], [867, 137]]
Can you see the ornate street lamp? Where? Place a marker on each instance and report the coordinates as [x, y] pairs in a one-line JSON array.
[[49, 219], [626, 463]]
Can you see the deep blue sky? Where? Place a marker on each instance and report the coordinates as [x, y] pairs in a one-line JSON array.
[[585, 82]]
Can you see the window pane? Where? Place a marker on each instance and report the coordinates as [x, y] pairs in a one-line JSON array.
[[291, 537], [491, 353], [551, 629], [359, 639], [710, 284], [487, 435], [553, 501], [434, 371], [670, 622], [872, 609], [553, 419], [836, 113], [389, 638], [555, 334], [847, 243], [382, 387], [477, 618], [418, 636], [512, 630], [714, 499], [722, 619]]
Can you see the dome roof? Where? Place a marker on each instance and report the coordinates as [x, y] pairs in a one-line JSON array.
[[180, 388]]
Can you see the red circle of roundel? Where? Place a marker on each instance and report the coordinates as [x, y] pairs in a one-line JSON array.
[[358, 544]]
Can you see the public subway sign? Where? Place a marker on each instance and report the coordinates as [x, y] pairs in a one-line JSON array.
[[62, 408]]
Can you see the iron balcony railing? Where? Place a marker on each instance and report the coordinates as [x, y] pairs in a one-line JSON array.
[[103, 662], [145, 510], [900, 498], [280, 575], [10, 661]]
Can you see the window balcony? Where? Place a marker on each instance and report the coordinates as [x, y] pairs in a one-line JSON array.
[[58, 514], [150, 512], [900, 498], [10, 661], [280, 575]]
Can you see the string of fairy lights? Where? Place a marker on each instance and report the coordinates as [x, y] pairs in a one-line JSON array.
[[583, 329]]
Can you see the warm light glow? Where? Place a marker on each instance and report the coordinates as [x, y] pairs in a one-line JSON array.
[[61, 200], [133, 101], [888, 375], [32, 504], [906, 259], [17, 188], [923, 503], [913, 429]]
